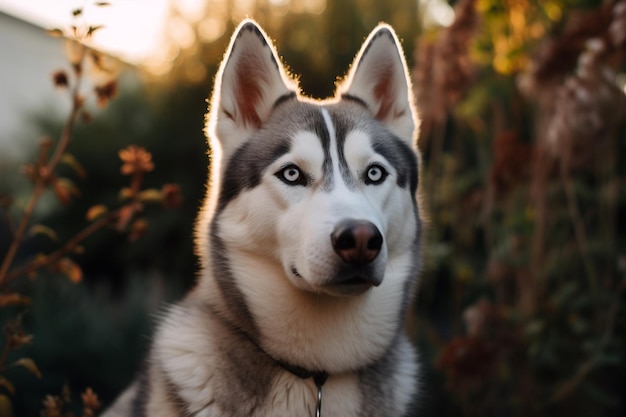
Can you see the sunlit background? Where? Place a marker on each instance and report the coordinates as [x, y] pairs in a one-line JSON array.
[[146, 32], [521, 304], [134, 28], [149, 35]]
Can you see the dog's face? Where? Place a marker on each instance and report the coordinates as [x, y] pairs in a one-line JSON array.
[[323, 191]]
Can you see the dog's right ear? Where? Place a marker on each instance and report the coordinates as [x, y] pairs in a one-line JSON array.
[[379, 78], [251, 79]]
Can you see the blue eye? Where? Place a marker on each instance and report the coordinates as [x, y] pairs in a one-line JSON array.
[[292, 175], [375, 175]]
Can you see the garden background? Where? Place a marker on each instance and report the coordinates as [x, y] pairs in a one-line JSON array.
[[521, 304]]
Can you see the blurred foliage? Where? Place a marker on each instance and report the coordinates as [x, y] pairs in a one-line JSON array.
[[37, 248], [521, 307], [520, 310], [101, 328]]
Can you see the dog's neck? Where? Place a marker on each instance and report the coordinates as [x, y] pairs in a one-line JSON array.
[[315, 332], [319, 377]]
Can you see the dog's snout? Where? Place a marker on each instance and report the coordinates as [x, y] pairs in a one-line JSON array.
[[356, 241]]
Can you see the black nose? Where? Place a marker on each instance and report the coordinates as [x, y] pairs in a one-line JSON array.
[[356, 241]]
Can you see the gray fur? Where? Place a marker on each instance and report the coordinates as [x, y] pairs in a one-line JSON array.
[[249, 161], [351, 115], [377, 384], [233, 296]]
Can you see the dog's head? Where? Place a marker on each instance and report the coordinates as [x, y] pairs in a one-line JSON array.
[[322, 193]]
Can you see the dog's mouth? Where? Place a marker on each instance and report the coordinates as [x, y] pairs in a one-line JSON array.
[[355, 285], [344, 285]]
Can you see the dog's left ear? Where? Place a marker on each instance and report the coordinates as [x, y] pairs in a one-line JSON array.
[[379, 78]]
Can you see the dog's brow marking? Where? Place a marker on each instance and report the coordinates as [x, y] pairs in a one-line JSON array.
[[334, 156]]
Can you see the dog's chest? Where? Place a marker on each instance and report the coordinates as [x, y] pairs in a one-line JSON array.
[[290, 395], [217, 373]]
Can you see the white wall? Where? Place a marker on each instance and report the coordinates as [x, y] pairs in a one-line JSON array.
[[28, 58]]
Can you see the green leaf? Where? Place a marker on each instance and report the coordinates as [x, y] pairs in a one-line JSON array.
[[29, 364], [40, 229], [77, 12]]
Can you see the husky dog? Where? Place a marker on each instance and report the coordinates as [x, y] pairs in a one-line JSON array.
[[310, 247]]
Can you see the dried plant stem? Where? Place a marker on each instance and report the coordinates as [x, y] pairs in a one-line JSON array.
[[21, 230], [66, 134], [579, 227], [541, 172], [3, 356], [569, 386], [611, 174], [67, 248], [45, 171], [437, 141]]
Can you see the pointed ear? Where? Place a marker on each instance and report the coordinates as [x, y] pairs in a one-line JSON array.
[[249, 82], [379, 78]]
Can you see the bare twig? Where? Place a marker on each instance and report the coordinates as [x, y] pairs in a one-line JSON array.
[[21, 229], [67, 248], [579, 227], [44, 173], [437, 142]]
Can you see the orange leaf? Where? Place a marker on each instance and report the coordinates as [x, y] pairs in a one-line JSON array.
[[29, 364], [13, 299], [40, 229], [73, 163], [96, 211], [151, 195], [90, 399], [71, 269], [55, 32], [124, 217], [6, 408], [64, 190], [7, 384], [137, 229], [126, 194]]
